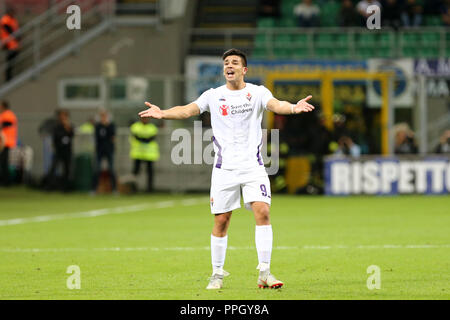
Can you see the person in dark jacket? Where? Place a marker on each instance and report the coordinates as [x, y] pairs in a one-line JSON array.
[[62, 144], [105, 132], [444, 143]]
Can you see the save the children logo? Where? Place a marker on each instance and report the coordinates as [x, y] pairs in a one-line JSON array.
[[249, 96], [224, 110]]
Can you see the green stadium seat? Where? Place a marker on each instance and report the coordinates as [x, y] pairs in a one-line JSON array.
[[341, 39], [282, 53], [299, 39], [323, 53], [433, 21], [282, 41], [341, 53], [287, 22], [324, 40], [287, 8], [385, 38], [300, 53], [410, 38], [329, 14], [408, 52], [429, 52], [260, 53], [365, 53], [261, 40], [430, 37], [385, 52], [414, 52], [367, 39], [266, 23]]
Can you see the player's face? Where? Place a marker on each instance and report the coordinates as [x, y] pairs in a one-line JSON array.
[[233, 69]]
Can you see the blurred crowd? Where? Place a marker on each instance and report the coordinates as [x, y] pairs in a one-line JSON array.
[[103, 178], [58, 134], [9, 41], [394, 13], [310, 138], [308, 135]]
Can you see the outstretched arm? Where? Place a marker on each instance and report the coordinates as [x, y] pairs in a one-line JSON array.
[[284, 107], [175, 113]]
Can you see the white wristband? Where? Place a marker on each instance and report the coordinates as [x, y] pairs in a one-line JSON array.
[[292, 108]]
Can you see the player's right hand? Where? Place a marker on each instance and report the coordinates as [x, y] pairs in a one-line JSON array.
[[152, 112]]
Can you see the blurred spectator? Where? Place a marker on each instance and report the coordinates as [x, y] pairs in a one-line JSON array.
[[46, 130], [269, 8], [321, 138], [391, 14], [433, 7], [411, 14], [307, 14], [362, 6], [444, 143], [105, 133], [8, 133], [339, 123], [347, 147], [87, 127], [445, 12], [404, 139], [144, 148], [9, 25], [348, 15], [62, 145]]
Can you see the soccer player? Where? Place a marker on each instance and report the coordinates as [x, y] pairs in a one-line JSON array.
[[236, 110]]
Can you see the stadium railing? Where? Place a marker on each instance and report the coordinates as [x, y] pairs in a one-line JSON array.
[[47, 39]]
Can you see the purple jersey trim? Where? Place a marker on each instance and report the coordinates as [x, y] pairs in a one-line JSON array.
[[258, 154], [219, 154]]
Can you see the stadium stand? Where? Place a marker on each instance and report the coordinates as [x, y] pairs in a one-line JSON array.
[[223, 14], [279, 37]]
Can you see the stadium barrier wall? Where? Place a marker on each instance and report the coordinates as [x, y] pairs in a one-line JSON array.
[[378, 175]]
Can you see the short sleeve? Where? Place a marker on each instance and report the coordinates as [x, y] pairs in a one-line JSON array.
[[266, 95], [203, 101]]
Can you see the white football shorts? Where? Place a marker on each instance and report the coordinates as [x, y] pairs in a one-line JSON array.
[[226, 188]]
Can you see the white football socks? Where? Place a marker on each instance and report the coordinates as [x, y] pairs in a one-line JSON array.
[[264, 240], [218, 251]]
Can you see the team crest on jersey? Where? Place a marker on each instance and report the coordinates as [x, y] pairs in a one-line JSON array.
[[224, 110], [249, 96]]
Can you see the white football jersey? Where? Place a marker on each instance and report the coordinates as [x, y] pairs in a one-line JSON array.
[[236, 117]]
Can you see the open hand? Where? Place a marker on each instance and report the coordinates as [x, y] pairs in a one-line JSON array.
[[153, 111], [303, 106]]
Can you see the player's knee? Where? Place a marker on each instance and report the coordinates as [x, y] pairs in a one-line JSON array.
[[262, 215], [222, 220]]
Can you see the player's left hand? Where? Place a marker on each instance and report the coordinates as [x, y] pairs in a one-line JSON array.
[[303, 105]]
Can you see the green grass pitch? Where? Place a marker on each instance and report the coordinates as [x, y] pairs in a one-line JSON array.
[[157, 247]]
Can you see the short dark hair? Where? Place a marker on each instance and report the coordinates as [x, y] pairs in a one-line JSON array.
[[62, 111], [236, 52], [10, 11], [5, 104]]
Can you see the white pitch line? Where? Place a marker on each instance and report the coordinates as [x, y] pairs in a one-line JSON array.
[[309, 247], [105, 211]]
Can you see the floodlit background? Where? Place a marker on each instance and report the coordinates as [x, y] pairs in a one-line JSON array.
[[381, 127]]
